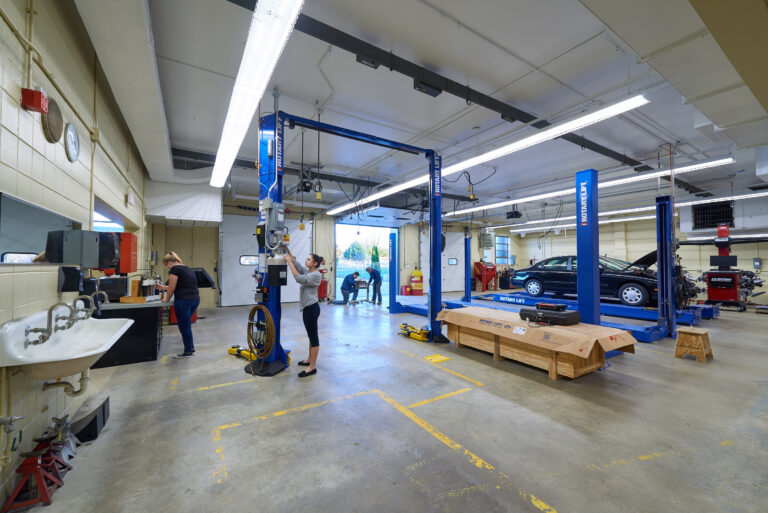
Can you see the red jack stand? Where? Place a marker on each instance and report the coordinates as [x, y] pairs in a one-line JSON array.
[[41, 467], [52, 448]]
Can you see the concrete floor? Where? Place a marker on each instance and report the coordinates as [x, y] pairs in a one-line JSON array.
[[650, 433]]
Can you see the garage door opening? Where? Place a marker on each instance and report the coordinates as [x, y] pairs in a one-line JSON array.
[[358, 247]]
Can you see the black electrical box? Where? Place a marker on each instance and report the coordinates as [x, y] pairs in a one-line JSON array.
[[515, 214], [261, 235], [277, 275]]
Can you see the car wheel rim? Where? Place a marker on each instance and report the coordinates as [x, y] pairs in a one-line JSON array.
[[632, 295], [533, 288]]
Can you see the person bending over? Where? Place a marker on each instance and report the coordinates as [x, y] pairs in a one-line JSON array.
[[348, 286], [375, 278], [182, 283], [308, 278]]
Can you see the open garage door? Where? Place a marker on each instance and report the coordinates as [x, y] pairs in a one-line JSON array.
[[452, 261], [237, 263]]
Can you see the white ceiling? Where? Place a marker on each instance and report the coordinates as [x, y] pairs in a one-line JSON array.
[[549, 58]]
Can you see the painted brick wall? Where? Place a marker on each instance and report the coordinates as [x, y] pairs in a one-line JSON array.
[[38, 172]]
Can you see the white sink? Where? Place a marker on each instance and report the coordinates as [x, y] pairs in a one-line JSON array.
[[66, 352]]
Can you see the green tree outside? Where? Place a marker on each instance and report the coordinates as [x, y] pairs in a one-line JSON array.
[[355, 251]]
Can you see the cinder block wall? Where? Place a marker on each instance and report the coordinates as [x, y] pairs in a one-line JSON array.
[[39, 173]]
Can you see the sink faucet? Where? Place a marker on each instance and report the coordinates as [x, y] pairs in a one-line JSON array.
[[76, 311], [96, 304], [53, 322], [7, 422], [46, 333]]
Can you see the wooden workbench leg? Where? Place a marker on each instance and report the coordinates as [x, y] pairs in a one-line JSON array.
[[458, 337], [496, 353], [553, 365]]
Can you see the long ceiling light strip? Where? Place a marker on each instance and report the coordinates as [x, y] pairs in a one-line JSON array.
[[638, 209], [573, 225], [544, 135], [271, 24], [610, 183], [732, 236]]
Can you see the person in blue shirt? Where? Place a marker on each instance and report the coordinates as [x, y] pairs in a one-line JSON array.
[[348, 287], [375, 278]]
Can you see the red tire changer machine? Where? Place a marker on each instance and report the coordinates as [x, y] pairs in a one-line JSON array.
[[727, 286]]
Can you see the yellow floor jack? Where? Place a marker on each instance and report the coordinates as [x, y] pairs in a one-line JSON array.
[[245, 353], [420, 334]]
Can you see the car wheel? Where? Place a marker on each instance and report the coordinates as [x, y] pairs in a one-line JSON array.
[[534, 288], [632, 294]]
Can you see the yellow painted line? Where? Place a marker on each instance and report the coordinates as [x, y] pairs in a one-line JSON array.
[[174, 382], [293, 410], [469, 455], [726, 443], [475, 382], [436, 358], [226, 384], [657, 352], [652, 456], [164, 359], [444, 396]]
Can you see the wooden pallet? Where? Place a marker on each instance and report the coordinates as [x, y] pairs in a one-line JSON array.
[[556, 363], [694, 342]]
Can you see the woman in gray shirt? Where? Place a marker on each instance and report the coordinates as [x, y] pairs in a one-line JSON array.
[[309, 279]]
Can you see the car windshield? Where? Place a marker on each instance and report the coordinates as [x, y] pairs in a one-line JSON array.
[[614, 264]]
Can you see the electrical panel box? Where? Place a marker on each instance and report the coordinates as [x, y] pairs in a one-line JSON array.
[[486, 240], [81, 247], [758, 263], [277, 275]]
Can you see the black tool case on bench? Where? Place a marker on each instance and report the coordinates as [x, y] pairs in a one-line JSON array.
[[546, 313]]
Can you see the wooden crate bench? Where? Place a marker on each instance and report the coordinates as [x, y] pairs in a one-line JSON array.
[[570, 351]]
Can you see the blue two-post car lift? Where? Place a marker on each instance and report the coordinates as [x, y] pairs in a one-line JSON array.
[[666, 316], [271, 143]]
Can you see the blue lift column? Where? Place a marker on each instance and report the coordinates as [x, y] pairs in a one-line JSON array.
[[587, 244], [435, 246], [467, 267], [270, 186], [394, 274], [665, 261]]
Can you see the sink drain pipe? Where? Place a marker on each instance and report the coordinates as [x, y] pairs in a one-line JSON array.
[[69, 388]]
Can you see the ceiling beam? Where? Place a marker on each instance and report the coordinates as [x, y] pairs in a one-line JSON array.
[[374, 54], [207, 159]]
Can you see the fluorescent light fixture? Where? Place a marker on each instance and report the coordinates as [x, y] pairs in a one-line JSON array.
[[637, 209], [600, 185], [732, 236], [667, 172], [381, 194], [271, 25], [573, 225], [548, 134]]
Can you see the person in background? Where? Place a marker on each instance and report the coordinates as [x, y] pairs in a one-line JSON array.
[[375, 278], [348, 286], [309, 280], [182, 283]]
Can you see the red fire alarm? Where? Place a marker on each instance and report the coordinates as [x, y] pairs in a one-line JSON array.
[[34, 100]]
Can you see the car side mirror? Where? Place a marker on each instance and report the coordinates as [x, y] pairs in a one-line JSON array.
[[601, 267]]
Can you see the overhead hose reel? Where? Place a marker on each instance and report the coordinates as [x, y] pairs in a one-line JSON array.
[[261, 334]]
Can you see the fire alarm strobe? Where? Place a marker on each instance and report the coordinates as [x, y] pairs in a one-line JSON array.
[[35, 101]]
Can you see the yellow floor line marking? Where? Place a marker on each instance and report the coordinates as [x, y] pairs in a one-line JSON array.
[[444, 396], [429, 428], [726, 443], [657, 352], [174, 382], [164, 359], [472, 457], [226, 384], [436, 358], [475, 382]]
